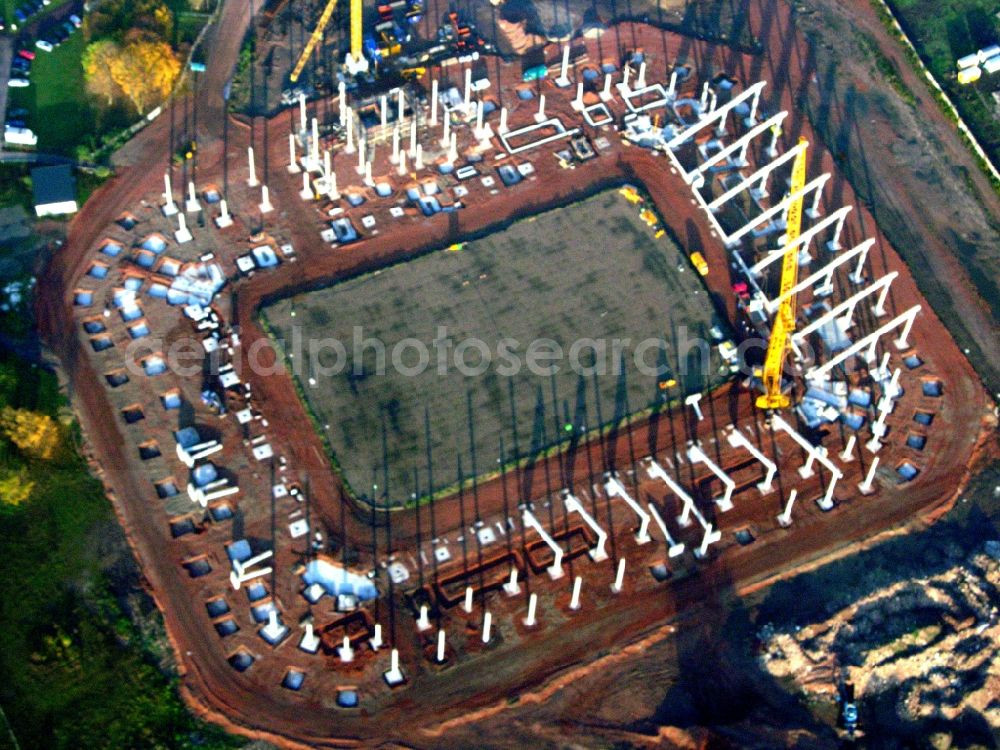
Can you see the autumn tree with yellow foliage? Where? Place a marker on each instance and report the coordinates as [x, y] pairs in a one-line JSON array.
[[36, 435], [129, 55]]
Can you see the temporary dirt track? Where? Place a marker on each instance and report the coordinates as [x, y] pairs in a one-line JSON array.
[[253, 703]]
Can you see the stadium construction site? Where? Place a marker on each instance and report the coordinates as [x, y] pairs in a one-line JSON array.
[[315, 613]]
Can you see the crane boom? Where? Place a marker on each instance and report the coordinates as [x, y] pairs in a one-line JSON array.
[[784, 320], [317, 35]]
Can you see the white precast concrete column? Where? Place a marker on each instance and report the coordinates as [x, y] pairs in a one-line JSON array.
[[453, 149], [333, 193], [691, 130], [866, 486], [446, 131], [440, 646], [711, 535], [503, 120], [224, 220], [413, 137], [314, 146], [306, 193], [803, 241], [868, 342], [785, 517], [814, 453], [349, 146], [740, 145], [345, 652], [293, 159], [342, 112], [738, 440], [696, 454], [562, 80], [606, 95], [192, 206], [555, 570], [376, 641], [843, 312], [616, 587], [400, 106], [394, 675], [434, 103], [302, 113], [672, 90], [848, 455], [573, 505], [487, 626], [265, 200], [512, 587], [238, 579], [252, 178], [760, 177], [423, 622], [577, 103], [694, 401], [530, 620], [309, 641], [401, 169], [615, 488], [418, 162], [170, 207], [640, 81], [467, 604], [394, 158], [574, 600], [540, 114], [673, 548], [467, 98], [825, 274]]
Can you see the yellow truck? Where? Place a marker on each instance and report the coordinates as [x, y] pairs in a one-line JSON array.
[[699, 262]]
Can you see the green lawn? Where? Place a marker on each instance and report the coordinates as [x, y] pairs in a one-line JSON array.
[[60, 111]]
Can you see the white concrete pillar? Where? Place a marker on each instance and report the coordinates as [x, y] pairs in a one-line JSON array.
[[503, 120], [394, 158], [672, 91], [562, 81], [349, 147], [182, 234], [394, 675], [640, 82], [252, 178], [453, 149], [413, 137], [530, 620], [376, 640], [418, 163], [306, 193], [368, 175], [434, 103], [302, 113], [577, 103], [574, 600], [540, 115], [616, 587], [487, 626], [265, 200], [314, 145], [693, 401], [401, 169], [383, 105], [467, 98], [342, 105], [866, 486], [440, 646], [606, 94], [467, 604], [446, 131], [512, 587], [193, 206], [423, 622], [848, 454], [785, 517], [293, 159], [224, 220], [332, 191], [345, 652], [400, 106]]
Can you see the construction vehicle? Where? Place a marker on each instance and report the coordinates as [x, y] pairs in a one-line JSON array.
[[699, 263], [649, 217], [784, 320], [355, 61]]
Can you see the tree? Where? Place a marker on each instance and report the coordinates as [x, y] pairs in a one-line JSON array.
[[15, 487], [36, 435], [97, 60], [145, 71]]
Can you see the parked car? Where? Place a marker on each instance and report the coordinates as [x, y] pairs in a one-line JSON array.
[[76, 20], [18, 113], [44, 45], [16, 124], [20, 65], [68, 27], [27, 54], [18, 83], [20, 16]]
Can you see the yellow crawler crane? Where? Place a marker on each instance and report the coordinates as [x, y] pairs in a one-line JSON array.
[[784, 320], [317, 35]]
